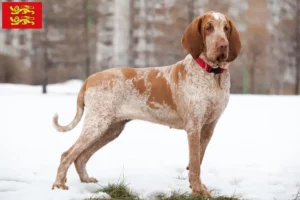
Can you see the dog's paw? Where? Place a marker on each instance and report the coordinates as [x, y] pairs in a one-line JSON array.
[[202, 192], [60, 186], [89, 180]]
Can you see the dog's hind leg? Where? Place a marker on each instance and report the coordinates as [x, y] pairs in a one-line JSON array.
[[80, 163], [94, 127]]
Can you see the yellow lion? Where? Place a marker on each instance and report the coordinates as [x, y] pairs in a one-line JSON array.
[[23, 20], [15, 10]]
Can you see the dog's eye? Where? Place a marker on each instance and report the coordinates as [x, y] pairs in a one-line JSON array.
[[210, 28], [226, 29]]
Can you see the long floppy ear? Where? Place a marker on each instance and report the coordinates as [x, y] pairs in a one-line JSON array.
[[234, 43], [192, 40]]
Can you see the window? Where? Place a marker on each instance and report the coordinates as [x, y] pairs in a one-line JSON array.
[[8, 37], [23, 54], [22, 38]]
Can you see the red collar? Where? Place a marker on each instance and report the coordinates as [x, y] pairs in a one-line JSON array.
[[208, 68]]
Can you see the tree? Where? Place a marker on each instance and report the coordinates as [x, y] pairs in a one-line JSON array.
[[297, 48], [46, 41], [171, 22], [105, 38], [67, 40], [86, 11], [283, 51], [256, 45], [256, 51]]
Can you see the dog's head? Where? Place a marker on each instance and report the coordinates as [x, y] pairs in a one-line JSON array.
[[214, 35]]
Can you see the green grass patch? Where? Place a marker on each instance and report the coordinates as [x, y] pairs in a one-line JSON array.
[[187, 196], [121, 191]]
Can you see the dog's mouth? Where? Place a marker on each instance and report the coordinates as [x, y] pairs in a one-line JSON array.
[[217, 58], [221, 58]]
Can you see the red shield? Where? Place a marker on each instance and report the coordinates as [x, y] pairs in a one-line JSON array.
[[22, 15]]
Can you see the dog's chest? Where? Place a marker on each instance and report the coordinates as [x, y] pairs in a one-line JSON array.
[[215, 106], [206, 94]]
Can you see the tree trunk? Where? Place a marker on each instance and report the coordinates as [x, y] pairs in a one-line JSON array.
[[191, 4], [46, 59], [131, 36], [86, 36], [297, 48], [253, 72], [253, 79], [147, 39], [121, 41]]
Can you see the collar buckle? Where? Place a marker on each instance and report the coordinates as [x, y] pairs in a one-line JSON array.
[[208, 68]]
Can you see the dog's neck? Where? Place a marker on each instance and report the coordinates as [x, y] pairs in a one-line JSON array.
[[217, 64]]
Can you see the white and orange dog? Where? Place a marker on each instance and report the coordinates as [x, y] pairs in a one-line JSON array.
[[191, 95]]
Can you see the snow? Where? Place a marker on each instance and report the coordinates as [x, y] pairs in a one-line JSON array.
[[254, 151]]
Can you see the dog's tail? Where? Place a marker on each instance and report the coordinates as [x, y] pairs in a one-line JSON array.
[[78, 116]]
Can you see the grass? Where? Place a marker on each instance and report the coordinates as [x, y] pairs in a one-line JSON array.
[[121, 191], [186, 196], [297, 195]]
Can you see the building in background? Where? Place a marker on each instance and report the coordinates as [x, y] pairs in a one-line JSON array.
[[98, 34], [16, 42]]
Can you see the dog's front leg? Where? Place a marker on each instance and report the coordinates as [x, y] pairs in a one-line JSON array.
[[194, 163]]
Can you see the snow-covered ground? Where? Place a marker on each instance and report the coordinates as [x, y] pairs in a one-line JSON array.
[[254, 152]]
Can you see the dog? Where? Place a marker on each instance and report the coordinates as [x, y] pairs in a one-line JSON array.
[[191, 95]]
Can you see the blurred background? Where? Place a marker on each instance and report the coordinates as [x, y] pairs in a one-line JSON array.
[[81, 37]]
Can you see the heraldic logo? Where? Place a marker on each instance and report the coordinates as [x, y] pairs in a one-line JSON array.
[[22, 15]]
